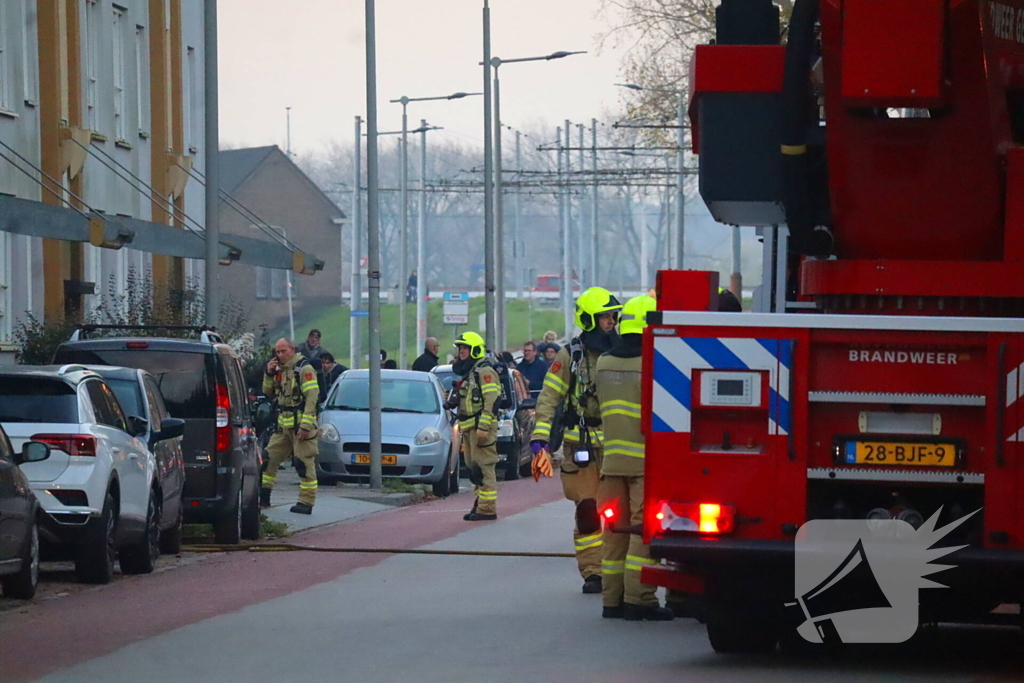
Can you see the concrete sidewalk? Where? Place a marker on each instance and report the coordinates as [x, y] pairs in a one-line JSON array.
[[335, 503]]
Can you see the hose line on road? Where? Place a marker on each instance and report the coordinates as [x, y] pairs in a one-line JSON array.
[[292, 547]]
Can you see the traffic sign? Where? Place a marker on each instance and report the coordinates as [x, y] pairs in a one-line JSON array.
[[359, 314], [456, 308], [364, 265]]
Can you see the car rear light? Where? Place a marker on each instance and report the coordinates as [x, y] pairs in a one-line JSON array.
[[136, 345], [72, 444], [704, 518], [223, 419]]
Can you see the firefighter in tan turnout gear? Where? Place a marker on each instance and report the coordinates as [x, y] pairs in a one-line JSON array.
[[292, 380], [621, 493], [478, 395], [569, 383]]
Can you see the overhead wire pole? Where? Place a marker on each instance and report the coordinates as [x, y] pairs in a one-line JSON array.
[[403, 277], [211, 298], [489, 333], [581, 231], [421, 245], [563, 225], [373, 244], [595, 199], [517, 244], [499, 215], [356, 300], [681, 188]]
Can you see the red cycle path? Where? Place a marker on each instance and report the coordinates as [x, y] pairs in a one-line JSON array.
[[56, 635]]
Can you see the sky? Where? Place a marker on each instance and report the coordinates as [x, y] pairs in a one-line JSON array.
[[309, 55]]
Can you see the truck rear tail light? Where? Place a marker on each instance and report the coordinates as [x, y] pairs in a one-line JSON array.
[[703, 518], [223, 419], [136, 345], [72, 444]]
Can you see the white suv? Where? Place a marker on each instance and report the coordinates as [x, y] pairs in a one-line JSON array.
[[97, 487]]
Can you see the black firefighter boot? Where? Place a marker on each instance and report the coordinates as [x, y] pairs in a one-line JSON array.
[[474, 516], [302, 509], [265, 497], [592, 584]]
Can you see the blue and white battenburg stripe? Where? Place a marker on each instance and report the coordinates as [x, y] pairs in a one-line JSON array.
[[675, 359]]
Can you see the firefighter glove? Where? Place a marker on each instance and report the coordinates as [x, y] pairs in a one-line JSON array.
[[541, 464], [484, 438]]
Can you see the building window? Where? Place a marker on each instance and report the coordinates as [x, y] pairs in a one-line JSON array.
[[5, 60], [262, 282], [29, 51], [120, 67], [142, 80], [191, 105], [92, 58], [277, 283]]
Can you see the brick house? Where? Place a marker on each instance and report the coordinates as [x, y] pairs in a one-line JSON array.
[[270, 185]]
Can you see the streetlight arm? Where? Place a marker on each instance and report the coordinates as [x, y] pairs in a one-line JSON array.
[[498, 61], [453, 96]]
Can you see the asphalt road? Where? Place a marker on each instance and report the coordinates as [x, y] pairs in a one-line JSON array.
[[397, 618]]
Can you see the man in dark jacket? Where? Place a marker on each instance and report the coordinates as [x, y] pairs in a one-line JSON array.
[[330, 371], [428, 361], [533, 367]]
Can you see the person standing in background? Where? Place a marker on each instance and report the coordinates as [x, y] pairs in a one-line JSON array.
[[331, 372], [533, 367], [428, 360], [311, 349]]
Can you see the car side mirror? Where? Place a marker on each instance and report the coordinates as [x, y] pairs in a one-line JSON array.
[[170, 428], [528, 404], [137, 426], [264, 417], [32, 451]]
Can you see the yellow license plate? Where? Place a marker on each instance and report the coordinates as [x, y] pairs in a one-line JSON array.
[[894, 453], [364, 459]]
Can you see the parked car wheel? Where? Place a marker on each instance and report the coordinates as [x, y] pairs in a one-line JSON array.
[[22, 586], [442, 488], [95, 560], [228, 529], [453, 486], [251, 524], [512, 464], [140, 557], [170, 540]]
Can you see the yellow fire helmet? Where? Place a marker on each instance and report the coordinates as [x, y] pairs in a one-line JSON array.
[[633, 318], [592, 303], [474, 341]]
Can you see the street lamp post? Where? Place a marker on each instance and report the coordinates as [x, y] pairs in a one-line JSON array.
[[499, 214], [681, 166], [373, 245], [404, 230], [356, 302]]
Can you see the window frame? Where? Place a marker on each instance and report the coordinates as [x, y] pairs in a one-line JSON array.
[[119, 52], [141, 80], [6, 87], [91, 72]]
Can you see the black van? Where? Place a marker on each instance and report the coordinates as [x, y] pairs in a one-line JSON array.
[[201, 382]]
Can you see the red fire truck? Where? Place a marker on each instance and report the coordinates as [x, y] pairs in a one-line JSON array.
[[880, 152]]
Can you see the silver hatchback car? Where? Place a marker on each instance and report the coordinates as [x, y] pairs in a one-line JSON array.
[[418, 444]]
